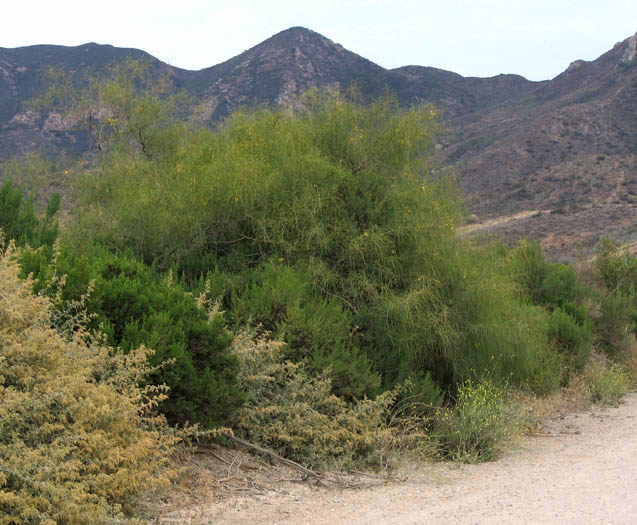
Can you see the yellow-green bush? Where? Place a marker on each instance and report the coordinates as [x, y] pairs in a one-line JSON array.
[[78, 439], [326, 216]]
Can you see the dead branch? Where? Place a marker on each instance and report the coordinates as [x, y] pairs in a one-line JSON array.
[[271, 453]]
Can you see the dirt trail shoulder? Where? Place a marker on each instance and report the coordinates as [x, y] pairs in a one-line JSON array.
[[582, 468]]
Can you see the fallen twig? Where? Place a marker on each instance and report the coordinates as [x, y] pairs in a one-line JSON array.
[[271, 453]]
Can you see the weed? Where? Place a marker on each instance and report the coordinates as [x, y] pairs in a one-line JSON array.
[[478, 427], [607, 383]]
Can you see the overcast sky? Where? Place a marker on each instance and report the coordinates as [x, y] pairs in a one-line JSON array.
[[534, 38]]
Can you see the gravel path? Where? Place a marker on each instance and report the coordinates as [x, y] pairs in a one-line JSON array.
[[582, 469]]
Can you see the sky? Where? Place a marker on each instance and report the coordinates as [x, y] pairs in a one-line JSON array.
[[534, 38]]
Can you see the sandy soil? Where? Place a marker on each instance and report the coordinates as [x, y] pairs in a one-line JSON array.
[[581, 468]]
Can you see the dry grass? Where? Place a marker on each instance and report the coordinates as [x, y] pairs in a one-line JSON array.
[[536, 409], [579, 395]]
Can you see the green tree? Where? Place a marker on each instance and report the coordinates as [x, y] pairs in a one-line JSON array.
[[300, 214], [134, 105]]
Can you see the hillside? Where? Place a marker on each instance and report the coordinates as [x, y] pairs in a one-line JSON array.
[[566, 146], [569, 146]]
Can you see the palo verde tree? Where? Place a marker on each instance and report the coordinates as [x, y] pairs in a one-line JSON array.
[[326, 225], [132, 105]]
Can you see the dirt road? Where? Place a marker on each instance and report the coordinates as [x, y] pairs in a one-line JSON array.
[[582, 469]]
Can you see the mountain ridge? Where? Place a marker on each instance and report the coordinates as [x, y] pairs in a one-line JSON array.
[[566, 144]]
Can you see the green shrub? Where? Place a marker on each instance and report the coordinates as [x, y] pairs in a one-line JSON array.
[[607, 383], [420, 396], [349, 371], [546, 284], [79, 442], [502, 337], [530, 268], [571, 338], [559, 286], [19, 222], [478, 426], [614, 324], [281, 300], [345, 250], [132, 305], [618, 313], [360, 224], [579, 312], [332, 232], [617, 267]]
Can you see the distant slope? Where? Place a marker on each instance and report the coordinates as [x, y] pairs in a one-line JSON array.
[[570, 146]]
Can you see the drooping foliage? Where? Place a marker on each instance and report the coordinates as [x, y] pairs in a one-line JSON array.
[[556, 288], [326, 225], [617, 324]]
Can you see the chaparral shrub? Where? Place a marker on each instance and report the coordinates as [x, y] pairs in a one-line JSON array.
[[292, 410], [326, 225], [131, 305], [80, 441]]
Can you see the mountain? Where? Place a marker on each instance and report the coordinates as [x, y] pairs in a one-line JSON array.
[[554, 159], [568, 145], [278, 69]]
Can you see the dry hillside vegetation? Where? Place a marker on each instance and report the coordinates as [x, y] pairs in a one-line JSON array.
[[78, 439]]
